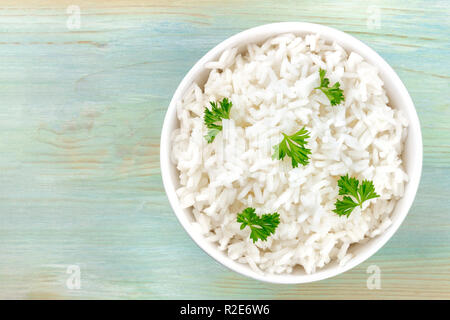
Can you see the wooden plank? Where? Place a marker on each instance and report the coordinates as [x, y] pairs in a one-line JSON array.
[[81, 117]]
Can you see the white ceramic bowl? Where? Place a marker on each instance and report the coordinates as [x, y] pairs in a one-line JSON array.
[[398, 96]]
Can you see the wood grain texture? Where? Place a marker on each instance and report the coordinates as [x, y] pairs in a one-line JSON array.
[[81, 116]]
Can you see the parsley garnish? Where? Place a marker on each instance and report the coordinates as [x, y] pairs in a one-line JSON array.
[[349, 187], [214, 115], [334, 93], [294, 147], [261, 227]]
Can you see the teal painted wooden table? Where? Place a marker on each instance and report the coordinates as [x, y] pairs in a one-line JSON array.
[[81, 113]]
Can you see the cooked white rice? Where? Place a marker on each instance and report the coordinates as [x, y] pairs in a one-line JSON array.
[[271, 87]]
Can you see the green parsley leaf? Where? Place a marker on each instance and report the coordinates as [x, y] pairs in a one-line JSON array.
[[345, 206], [261, 227], [348, 185], [294, 147], [334, 93], [216, 114], [367, 191], [360, 193]]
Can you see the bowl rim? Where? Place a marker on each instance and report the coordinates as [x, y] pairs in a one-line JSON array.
[[270, 30]]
